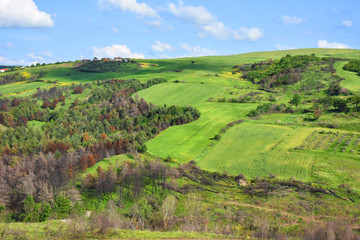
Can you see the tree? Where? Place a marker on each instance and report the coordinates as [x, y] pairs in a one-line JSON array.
[[334, 89], [341, 105], [168, 209], [62, 206], [193, 211], [296, 100], [317, 113], [141, 211], [355, 100], [46, 104], [30, 210]]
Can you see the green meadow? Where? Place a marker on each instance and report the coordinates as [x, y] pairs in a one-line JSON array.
[[352, 80], [253, 148]]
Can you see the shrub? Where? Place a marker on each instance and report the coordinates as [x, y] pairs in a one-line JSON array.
[[62, 206]]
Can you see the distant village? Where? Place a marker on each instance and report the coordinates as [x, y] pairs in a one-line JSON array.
[[116, 59]]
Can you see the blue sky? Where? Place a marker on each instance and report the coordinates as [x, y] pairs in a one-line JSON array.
[[48, 31]]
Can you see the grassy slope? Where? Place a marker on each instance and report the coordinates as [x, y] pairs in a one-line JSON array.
[[352, 80], [208, 77], [253, 149], [192, 141], [56, 229]]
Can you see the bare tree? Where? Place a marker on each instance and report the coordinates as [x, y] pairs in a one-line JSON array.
[[168, 209]]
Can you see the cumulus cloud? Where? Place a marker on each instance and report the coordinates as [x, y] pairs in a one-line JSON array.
[[141, 9], [197, 50], [46, 54], [281, 47], [36, 58], [208, 24], [161, 47], [115, 50], [222, 32], [192, 14], [8, 61], [7, 45], [292, 20], [115, 30], [326, 44], [158, 24], [23, 14], [154, 23], [347, 23], [87, 20]]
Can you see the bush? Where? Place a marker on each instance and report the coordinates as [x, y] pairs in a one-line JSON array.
[[62, 206]]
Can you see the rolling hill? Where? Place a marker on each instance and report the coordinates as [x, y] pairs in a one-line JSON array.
[[252, 132]]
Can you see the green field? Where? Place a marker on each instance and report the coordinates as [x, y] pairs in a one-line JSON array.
[[352, 80], [22, 89], [255, 148], [250, 148], [230, 172]]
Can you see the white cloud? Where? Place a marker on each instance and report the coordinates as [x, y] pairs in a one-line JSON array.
[[7, 45], [192, 14], [208, 24], [36, 58], [281, 47], [292, 20], [161, 47], [23, 14], [326, 44], [158, 24], [87, 20], [347, 23], [46, 54], [154, 23], [222, 32], [141, 9], [115, 30], [115, 50], [8, 61], [197, 50]]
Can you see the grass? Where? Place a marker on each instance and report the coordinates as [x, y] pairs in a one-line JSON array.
[[35, 124], [255, 148], [23, 89], [252, 149], [185, 94], [187, 142], [352, 80], [56, 229], [107, 162]]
